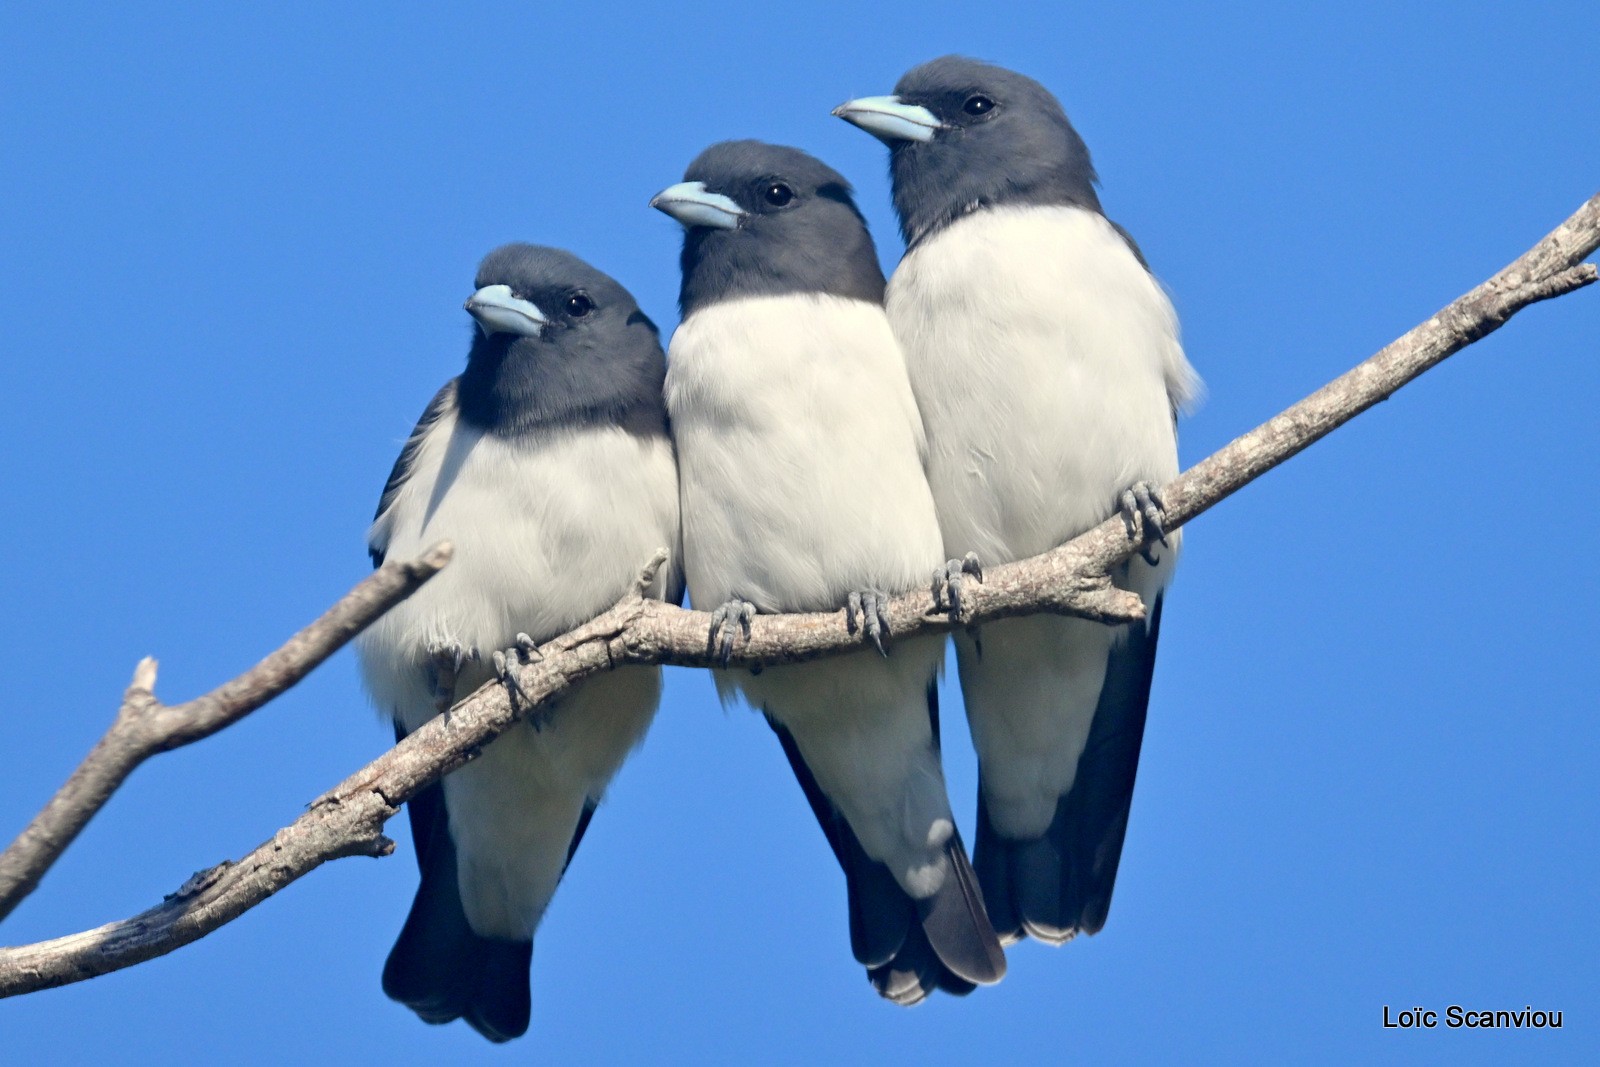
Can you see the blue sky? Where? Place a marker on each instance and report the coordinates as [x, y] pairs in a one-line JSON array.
[[235, 246]]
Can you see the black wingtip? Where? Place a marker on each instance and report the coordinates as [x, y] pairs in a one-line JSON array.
[[1059, 885], [888, 930], [882, 916], [430, 967], [443, 971], [991, 863], [915, 973], [440, 967], [911, 948], [912, 975], [501, 1004]]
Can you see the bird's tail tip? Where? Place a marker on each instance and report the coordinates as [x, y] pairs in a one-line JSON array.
[[443, 971], [957, 923]]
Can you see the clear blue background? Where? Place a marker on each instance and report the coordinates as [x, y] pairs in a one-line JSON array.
[[234, 248]]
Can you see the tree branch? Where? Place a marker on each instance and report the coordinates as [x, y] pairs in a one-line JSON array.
[[1072, 579], [144, 726]]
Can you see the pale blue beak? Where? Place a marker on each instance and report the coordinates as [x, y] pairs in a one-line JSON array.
[[497, 311], [889, 120], [694, 205]]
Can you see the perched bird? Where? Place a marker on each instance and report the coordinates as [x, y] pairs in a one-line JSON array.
[[800, 451], [1046, 363], [548, 464]]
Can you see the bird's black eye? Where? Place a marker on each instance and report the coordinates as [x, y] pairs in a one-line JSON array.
[[978, 105], [778, 194], [579, 305]]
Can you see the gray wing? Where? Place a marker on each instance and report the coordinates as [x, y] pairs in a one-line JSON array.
[[443, 401], [1133, 246], [909, 948], [1059, 884], [440, 968]]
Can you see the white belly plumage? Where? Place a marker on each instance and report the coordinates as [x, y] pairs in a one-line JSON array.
[[547, 535], [800, 456], [1046, 363]]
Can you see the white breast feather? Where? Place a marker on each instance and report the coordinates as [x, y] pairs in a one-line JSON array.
[[1046, 363], [799, 454]]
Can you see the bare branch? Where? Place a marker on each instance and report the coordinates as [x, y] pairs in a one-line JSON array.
[[1072, 579], [145, 726]]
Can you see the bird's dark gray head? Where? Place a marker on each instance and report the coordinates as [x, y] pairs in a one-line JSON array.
[[965, 135], [766, 220], [559, 345]]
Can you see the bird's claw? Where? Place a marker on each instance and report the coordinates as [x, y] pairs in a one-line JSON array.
[[727, 621], [949, 580], [529, 648], [870, 609], [1145, 516], [445, 660]]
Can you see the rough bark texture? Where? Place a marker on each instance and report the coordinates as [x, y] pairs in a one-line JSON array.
[[348, 819]]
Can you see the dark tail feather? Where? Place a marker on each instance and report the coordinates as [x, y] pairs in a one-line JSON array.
[[440, 968], [957, 925], [915, 972], [891, 934], [991, 861], [1056, 886], [955, 919]]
